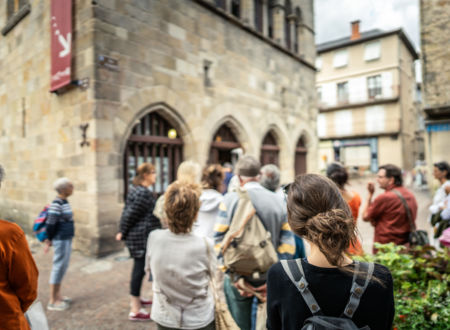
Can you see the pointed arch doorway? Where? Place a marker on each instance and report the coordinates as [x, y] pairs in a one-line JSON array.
[[225, 147], [269, 150], [155, 140], [300, 157]]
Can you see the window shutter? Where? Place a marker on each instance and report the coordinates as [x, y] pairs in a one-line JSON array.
[[372, 51]]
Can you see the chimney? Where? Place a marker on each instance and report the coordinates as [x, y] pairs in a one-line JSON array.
[[355, 30]]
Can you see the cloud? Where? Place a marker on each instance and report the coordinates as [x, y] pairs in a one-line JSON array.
[[333, 17]]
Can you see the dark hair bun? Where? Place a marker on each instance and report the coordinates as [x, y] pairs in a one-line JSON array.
[[330, 231]]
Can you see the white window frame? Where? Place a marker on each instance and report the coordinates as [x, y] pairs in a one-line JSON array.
[[340, 58], [344, 98], [319, 63], [319, 93], [372, 51]]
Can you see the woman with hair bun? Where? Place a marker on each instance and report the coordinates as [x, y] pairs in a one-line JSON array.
[[339, 175], [136, 223], [318, 214]]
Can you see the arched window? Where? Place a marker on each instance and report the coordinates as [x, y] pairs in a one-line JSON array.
[[270, 18], [287, 26], [258, 15], [224, 146], [153, 140], [269, 150], [298, 22], [221, 4], [236, 8], [300, 157]]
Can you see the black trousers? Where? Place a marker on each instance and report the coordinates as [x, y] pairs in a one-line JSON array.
[[137, 275]]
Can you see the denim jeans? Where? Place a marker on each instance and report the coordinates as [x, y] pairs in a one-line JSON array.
[[61, 257], [240, 307]]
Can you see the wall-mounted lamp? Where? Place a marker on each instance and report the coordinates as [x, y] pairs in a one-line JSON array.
[[172, 133]]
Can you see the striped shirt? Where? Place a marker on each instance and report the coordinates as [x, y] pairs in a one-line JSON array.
[[60, 220]]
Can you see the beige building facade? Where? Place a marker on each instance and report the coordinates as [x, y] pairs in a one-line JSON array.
[[366, 93], [435, 42], [159, 81]]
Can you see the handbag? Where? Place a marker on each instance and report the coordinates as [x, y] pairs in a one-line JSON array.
[[445, 238], [416, 237], [222, 316], [36, 317]]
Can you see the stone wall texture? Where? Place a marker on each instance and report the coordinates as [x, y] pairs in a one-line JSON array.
[[160, 47], [435, 40]]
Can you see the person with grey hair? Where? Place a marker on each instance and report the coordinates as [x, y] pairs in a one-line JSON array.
[[270, 177], [273, 215], [18, 275], [60, 231]]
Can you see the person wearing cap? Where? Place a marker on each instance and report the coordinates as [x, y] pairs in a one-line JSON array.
[[274, 218]]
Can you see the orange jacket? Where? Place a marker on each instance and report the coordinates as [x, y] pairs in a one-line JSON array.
[[18, 277]]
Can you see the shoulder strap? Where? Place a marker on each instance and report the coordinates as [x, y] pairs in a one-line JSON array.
[[301, 284], [408, 210], [359, 285]]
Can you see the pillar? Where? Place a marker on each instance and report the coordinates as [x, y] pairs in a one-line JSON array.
[[247, 11]]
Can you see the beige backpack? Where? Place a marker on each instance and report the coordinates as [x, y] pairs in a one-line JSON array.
[[247, 248]]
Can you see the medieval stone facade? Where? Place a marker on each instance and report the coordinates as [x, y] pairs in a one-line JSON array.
[[199, 67], [435, 39]]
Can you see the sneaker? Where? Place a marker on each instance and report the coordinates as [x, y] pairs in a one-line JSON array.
[[141, 316], [58, 306], [146, 302], [66, 299]]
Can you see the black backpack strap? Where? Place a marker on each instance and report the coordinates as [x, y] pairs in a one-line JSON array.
[[359, 285], [295, 267]]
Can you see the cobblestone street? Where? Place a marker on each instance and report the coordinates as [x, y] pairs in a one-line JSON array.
[[99, 287]]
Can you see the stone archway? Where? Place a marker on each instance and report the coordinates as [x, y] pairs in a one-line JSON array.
[[224, 146], [301, 151], [270, 150], [155, 140]]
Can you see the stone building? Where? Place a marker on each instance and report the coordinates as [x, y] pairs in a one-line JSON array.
[[156, 80], [435, 40], [366, 94]]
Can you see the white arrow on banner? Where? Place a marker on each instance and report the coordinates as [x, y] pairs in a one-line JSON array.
[[65, 42]]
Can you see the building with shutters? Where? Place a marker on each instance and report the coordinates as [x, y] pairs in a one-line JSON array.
[[366, 97], [435, 41], [160, 81]]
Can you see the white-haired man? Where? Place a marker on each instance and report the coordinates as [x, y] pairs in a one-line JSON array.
[[60, 231]]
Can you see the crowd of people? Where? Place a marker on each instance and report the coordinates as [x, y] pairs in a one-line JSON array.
[[195, 234]]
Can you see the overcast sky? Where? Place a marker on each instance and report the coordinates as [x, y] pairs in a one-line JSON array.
[[333, 17]]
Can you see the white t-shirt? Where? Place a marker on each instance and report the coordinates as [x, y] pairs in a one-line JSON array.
[[180, 268], [438, 198]]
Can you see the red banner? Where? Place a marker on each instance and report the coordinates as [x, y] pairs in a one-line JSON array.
[[61, 43]]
